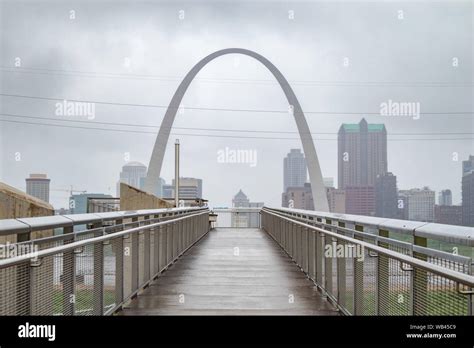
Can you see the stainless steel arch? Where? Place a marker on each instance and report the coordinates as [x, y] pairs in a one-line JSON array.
[[314, 169]]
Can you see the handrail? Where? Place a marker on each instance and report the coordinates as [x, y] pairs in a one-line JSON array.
[[74, 245], [444, 272], [462, 235], [31, 224]]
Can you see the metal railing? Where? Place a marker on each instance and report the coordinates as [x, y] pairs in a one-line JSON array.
[[97, 271], [237, 217], [366, 274]]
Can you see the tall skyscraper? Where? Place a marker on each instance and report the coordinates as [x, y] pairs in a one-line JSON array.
[[468, 199], [386, 196], [468, 165], [445, 197], [362, 153], [132, 174], [294, 169], [420, 204], [37, 185]]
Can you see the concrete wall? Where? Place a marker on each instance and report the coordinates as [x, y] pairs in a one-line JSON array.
[[132, 198], [17, 204], [15, 281]]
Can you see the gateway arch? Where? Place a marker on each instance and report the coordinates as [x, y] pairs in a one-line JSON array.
[[314, 169]]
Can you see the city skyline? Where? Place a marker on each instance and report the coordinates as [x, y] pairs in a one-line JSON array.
[[322, 82]]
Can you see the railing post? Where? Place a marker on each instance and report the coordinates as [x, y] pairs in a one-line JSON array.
[[146, 256], [358, 279], [98, 296], [33, 272], [69, 269], [135, 259], [319, 259], [156, 244], [305, 250], [312, 254], [341, 276], [327, 263], [119, 267], [382, 276], [419, 281]]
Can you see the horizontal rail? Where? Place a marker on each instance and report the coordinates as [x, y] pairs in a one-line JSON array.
[[101, 274], [452, 275], [75, 245], [462, 235], [388, 277], [31, 224]]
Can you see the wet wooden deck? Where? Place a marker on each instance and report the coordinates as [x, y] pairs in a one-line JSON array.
[[232, 272]]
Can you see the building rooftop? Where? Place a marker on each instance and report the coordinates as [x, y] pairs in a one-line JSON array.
[[355, 127]]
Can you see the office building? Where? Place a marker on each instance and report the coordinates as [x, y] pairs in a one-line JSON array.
[[419, 204], [189, 188], [360, 200], [328, 182], [448, 214], [298, 197], [468, 165], [245, 218], [362, 154], [79, 203], [468, 198], [336, 200], [445, 197], [386, 196], [133, 174], [37, 185], [294, 169]]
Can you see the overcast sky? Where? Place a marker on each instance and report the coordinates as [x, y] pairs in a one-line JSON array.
[[137, 53]]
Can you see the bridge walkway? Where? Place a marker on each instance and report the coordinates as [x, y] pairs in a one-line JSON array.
[[232, 271]]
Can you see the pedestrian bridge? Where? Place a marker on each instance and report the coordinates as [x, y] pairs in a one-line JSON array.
[[172, 262]]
